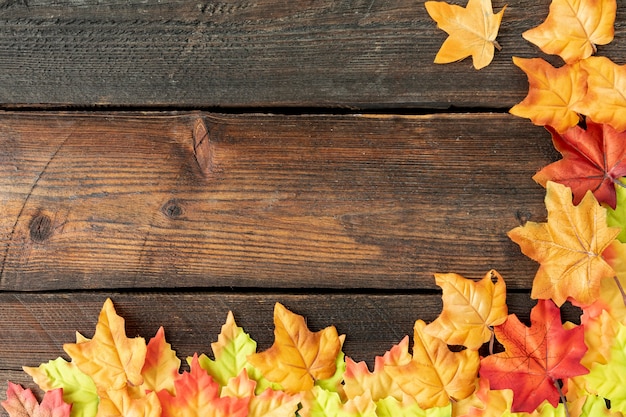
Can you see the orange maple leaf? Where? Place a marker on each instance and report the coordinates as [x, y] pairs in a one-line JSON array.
[[605, 101], [472, 31], [568, 246], [298, 356], [160, 369], [436, 375], [573, 28], [469, 309], [552, 93]]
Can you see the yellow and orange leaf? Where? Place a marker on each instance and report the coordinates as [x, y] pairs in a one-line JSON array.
[[605, 100], [111, 359], [298, 356], [122, 403], [573, 28], [552, 93], [472, 31], [161, 366], [436, 375], [568, 246], [470, 309]]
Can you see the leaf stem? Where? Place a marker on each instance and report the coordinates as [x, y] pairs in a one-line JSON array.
[[563, 399], [621, 289]]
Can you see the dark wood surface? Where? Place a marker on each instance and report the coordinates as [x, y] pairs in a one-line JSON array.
[[303, 194]]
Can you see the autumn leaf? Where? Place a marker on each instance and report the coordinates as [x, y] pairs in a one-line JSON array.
[[110, 358], [161, 366], [573, 28], [568, 247], [21, 402], [390, 407], [594, 159], [552, 93], [605, 100], [298, 356], [535, 357], [470, 309], [321, 403], [617, 217], [435, 374], [124, 402], [379, 384], [78, 388], [472, 31]]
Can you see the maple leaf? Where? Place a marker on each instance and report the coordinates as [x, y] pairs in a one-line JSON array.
[[78, 388], [552, 93], [298, 356], [573, 28], [391, 407], [161, 365], [435, 374], [617, 217], [535, 357], [594, 159], [605, 100], [125, 402], [569, 247], [21, 402], [319, 402], [110, 358], [472, 31], [379, 384], [470, 309]]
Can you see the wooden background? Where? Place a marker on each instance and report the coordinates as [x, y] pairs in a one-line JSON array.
[[342, 168]]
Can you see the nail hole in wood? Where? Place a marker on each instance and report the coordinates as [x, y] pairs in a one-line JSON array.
[[172, 209], [40, 228]]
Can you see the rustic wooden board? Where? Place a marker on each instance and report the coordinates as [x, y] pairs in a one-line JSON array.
[[96, 201], [269, 53]]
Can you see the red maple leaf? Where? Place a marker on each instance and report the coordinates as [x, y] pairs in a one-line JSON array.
[[593, 159], [536, 358]]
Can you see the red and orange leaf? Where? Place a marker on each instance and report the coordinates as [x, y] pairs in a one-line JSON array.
[[111, 359], [605, 100], [470, 309], [436, 375], [535, 358], [573, 28], [161, 366], [594, 159], [298, 356], [379, 384], [472, 31], [21, 402], [568, 247], [552, 93]]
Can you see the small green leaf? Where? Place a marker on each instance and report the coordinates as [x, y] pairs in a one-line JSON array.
[[617, 217], [390, 407]]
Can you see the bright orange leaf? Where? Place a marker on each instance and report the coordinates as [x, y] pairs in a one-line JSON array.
[[472, 31], [573, 28], [605, 101], [569, 247], [535, 357], [594, 159], [111, 359], [436, 375], [298, 356], [470, 309], [552, 93]]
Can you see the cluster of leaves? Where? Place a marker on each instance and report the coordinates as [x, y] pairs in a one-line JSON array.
[[547, 369]]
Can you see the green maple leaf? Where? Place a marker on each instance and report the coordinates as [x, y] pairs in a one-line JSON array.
[[78, 388], [321, 403], [617, 217], [390, 407], [609, 380]]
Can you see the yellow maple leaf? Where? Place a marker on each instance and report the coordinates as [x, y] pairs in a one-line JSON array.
[[605, 100], [552, 94], [568, 246], [472, 31], [470, 309], [298, 356], [573, 28], [111, 359], [436, 375]]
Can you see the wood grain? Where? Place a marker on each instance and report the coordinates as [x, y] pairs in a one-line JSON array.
[[97, 201], [267, 53]]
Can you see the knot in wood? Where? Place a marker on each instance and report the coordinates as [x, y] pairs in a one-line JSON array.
[[172, 209], [40, 228]]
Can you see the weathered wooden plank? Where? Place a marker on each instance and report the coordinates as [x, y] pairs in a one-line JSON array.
[[118, 201], [192, 321], [361, 54]]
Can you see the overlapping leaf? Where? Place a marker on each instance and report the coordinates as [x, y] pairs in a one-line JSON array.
[[161, 366], [21, 402], [472, 31]]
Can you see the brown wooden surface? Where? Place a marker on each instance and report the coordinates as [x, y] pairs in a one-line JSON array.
[[119, 201], [359, 54]]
